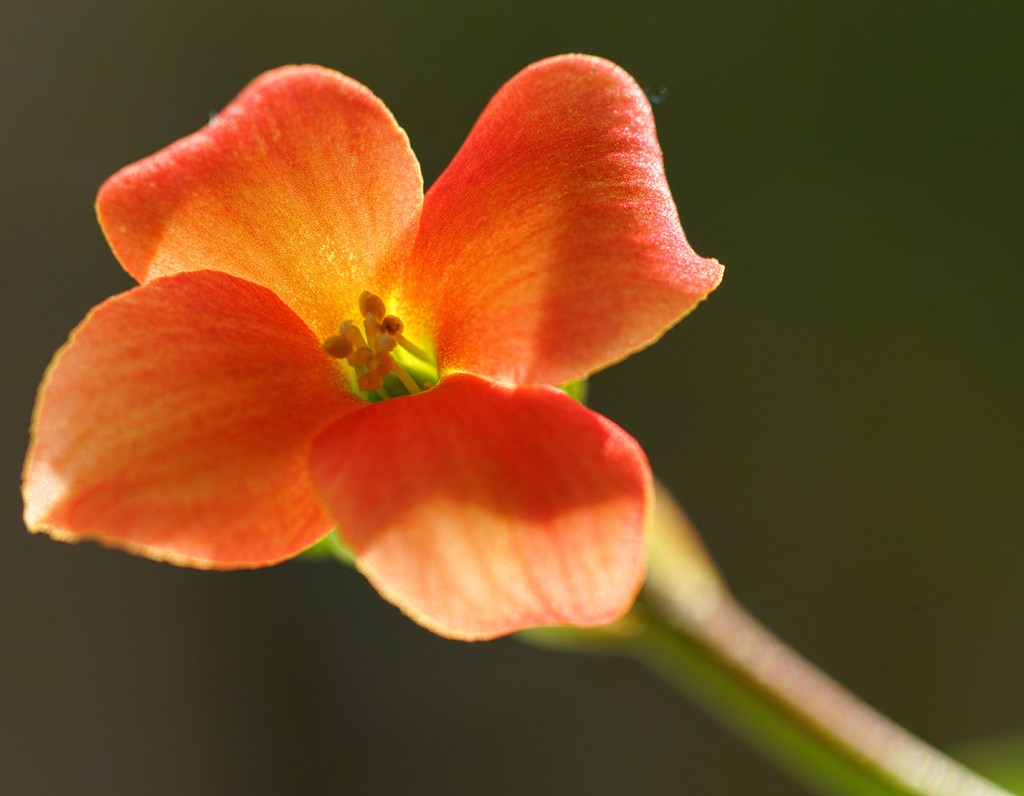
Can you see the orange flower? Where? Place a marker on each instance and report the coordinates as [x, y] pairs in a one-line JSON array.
[[225, 413]]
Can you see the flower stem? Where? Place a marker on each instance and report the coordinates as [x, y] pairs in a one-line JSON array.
[[766, 692]]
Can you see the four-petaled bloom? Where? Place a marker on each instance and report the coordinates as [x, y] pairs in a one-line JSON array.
[[226, 412]]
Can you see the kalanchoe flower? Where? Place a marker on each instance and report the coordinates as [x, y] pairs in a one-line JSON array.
[[227, 412]]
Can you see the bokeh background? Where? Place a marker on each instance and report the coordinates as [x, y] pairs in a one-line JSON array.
[[842, 418]]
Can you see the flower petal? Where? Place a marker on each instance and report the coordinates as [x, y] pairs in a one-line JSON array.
[[177, 423], [304, 184], [480, 509], [551, 246]]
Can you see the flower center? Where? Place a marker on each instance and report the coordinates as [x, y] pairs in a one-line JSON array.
[[385, 363]]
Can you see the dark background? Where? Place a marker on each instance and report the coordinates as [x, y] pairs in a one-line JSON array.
[[842, 418]]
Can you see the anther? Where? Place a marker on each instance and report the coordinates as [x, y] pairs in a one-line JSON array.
[[371, 305], [337, 346], [393, 325]]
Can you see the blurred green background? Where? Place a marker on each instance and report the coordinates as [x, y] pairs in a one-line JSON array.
[[842, 418]]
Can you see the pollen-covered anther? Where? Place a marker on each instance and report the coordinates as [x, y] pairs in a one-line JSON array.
[[392, 325]]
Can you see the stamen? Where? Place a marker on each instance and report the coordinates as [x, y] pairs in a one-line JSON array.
[[370, 356]]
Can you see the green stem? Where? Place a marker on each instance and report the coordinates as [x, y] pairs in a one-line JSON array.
[[719, 655]]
